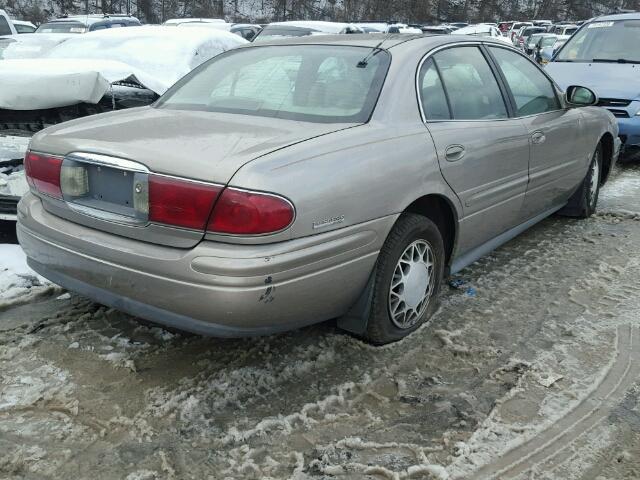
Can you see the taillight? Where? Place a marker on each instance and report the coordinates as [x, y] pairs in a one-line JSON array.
[[43, 173], [240, 212], [180, 203]]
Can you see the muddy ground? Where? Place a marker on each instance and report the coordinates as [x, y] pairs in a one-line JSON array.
[[530, 370]]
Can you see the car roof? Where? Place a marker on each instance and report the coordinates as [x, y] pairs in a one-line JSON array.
[[383, 41], [618, 16]]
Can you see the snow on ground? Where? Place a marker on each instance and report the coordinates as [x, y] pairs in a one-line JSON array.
[[529, 371], [18, 283]]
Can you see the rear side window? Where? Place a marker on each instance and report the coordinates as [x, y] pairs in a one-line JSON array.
[[531, 90], [470, 85], [432, 96], [5, 29]]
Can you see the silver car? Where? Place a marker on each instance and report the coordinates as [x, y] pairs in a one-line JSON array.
[[324, 177]]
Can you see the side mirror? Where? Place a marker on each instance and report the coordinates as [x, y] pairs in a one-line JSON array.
[[581, 96]]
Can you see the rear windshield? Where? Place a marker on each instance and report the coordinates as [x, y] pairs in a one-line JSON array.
[[605, 41], [313, 83], [548, 41], [61, 27]]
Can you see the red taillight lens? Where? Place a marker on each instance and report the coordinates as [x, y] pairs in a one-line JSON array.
[[239, 212], [43, 173], [180, 203]]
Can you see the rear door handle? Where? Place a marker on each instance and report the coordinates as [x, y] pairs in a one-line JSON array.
[[538, 137], [453, 153]]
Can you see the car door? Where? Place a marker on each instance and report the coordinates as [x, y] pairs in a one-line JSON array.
[[483, 154], [558, 161]]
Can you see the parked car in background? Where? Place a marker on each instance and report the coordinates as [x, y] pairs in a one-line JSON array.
[[604, 56], [532, 41], [210, 211], [504, 27], [523, 36], [300, 28], [87, 23], [172, 22], [6, 24], [481, 30], [569, 29], [436, 29], [87, 74], [23, 26], [245, 30], [515, 28], [457, 25], [548, 50], [403, 28], [543, 41]]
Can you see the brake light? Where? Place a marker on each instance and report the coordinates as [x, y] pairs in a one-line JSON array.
[[240, 212], [43, 173], [180, 203]]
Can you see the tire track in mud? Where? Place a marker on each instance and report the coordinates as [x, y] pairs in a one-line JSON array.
[[549, 448]]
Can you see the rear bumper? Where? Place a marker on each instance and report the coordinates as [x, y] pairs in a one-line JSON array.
[[212, 289]]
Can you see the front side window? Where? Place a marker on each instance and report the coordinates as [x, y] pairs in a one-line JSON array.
[[315, 83], [532, 91], [471, 87], [432, 96]]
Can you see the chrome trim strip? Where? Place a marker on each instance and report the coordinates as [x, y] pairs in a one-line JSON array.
[[108, 161], [107, 216]]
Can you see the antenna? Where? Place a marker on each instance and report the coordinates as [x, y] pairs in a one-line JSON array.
[[364, 62]]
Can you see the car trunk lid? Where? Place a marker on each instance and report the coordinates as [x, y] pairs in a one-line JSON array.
[[119, 151]]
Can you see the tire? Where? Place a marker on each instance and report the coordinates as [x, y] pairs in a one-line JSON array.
[[584, 201], [417, 239]]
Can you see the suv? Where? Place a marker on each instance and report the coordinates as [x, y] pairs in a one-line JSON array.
[[87, 23], [6, 25]]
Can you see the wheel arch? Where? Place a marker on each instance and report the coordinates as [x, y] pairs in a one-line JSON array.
[[606, 140], [441, 211]]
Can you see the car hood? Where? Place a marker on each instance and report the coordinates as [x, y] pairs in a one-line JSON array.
[[67, 81], [201, 145], [607, 80]]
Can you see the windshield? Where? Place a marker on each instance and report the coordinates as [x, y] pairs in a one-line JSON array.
[[313, 83], [614, 41]]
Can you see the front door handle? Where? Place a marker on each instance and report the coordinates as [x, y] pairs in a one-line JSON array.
[[453, 153], [538, 138]]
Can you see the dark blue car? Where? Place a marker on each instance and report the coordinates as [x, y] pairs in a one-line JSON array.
[[604, 55]]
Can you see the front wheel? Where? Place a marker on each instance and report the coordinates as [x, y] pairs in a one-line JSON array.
[[584, 201], [407, 279]]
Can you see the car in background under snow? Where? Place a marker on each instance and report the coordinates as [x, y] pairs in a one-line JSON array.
[[604, 56], [292, 182], [87, 23], [88, 74], [247, 31], [302, 28]]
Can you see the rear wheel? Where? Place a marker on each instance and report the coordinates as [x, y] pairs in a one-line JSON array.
[[407, 280], [584, 201]]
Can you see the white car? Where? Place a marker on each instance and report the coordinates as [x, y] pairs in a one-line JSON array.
[[482, 30], [97, 72], [6, 24]]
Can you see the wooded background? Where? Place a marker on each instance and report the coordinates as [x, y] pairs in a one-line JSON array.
[[263, 11]]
